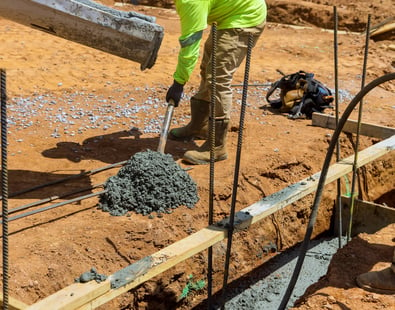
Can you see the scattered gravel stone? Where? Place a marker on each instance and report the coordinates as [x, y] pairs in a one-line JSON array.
[[149, 182]]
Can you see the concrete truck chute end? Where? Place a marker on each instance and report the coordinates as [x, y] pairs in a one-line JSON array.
[[129, 35]]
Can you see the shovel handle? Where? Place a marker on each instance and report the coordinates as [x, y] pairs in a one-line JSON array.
[[165, 127]]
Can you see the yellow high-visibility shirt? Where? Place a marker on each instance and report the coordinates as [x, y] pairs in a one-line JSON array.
[[195, 15]]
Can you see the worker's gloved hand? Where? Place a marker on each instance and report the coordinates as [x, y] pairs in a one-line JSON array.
[[175, 92]]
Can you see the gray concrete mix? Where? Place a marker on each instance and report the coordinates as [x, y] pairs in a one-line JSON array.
[[149, 182], [266, 286]]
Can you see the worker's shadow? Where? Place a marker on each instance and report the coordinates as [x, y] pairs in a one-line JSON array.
[[111, 148], [114, 147], [28, 184], [268, 108]]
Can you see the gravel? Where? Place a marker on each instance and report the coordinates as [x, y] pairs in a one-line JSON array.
[[73, 113]]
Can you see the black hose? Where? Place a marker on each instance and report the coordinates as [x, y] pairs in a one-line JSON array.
[[321, 183]]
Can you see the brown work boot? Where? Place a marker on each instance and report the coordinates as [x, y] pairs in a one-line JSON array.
[[197, 128], [381, 282], [201, 156]]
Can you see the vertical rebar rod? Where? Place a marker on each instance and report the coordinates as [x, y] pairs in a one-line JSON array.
[[237, 169], [4, 184], [338, 181], [212, 158], [356, 150]]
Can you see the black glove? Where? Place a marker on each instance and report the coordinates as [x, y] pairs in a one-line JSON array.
[[175, 92]]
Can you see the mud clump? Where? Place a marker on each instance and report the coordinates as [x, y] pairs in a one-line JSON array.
[[149, 182]]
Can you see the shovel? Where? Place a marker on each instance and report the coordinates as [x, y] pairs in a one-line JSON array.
[[165, 127]]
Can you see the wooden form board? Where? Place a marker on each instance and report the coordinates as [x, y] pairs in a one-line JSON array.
[[72, 296], [95, 294], [370, 130], [368, 217], [13, 304], [383, 29]]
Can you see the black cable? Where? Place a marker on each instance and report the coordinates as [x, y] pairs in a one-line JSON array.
[[237, 168], [321, 182], [4, 184], [212, 158]]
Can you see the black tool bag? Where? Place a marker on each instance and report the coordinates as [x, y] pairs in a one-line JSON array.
[[300, 95]]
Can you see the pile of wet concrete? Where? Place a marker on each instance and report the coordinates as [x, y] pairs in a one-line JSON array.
[[150, 182]]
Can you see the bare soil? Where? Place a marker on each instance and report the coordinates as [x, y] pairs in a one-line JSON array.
[[59, 79]]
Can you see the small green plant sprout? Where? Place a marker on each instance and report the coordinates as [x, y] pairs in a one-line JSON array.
[[192, 286]]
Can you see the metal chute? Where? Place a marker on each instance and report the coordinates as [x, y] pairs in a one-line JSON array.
[[129, 35]]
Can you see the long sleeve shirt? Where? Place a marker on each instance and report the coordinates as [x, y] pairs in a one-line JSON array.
[[195, 15]]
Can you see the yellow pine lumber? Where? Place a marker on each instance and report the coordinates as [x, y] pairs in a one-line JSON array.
[[368, 217], [167, 258], [13, 304], [72, 296], [367, 129], [383, 29], [385, 21]]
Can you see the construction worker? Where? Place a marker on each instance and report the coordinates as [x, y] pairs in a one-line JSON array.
[[381, 282], [235, 21]]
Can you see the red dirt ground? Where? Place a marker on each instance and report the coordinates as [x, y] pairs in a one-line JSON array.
[[49, 250]]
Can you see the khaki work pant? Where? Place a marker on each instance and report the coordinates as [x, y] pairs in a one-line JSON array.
[[231, 50]]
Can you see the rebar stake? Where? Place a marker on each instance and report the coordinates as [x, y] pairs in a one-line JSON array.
[[338, 182], [4, 184], [237, 169], [212, 159], [356, 150]]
